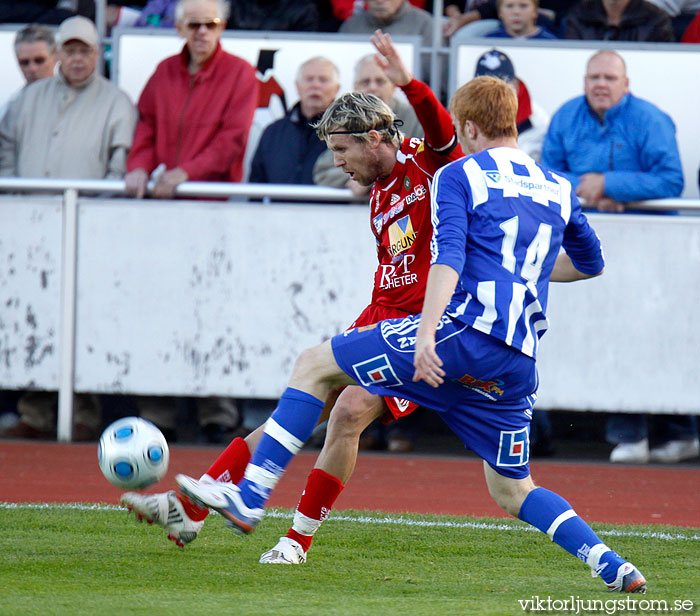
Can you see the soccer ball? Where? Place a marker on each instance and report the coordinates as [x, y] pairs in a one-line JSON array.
[[133, 453]]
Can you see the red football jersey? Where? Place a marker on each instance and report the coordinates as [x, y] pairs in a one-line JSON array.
[[401, 221], [400, 205], [402, 226]]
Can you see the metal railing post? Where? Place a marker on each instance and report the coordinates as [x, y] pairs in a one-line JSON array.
[[69, 253], [435, 63]]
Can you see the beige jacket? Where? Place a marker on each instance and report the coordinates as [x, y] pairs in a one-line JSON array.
[[55, 130]]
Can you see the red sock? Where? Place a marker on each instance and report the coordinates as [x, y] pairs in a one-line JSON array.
[[229, 466], [315, 503]]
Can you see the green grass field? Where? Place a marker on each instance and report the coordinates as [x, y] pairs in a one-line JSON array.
[[96, 560]]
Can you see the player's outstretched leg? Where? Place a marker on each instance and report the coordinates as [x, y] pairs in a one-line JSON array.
[[555, 517], [285, 432], [315, 374], [354, 410], [182, 518]]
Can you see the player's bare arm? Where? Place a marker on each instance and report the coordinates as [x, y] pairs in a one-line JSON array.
[[442, 281], [389, 59], [565, 271]]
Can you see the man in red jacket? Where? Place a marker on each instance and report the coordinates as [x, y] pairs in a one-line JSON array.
[[196, 109]]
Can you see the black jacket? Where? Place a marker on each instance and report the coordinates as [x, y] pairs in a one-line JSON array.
[[294, 15], [641, 21], [287, 151]]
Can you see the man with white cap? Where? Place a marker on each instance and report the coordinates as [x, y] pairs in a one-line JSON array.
[[76, 124]]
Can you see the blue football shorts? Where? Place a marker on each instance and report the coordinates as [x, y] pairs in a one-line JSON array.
[[488, 392]]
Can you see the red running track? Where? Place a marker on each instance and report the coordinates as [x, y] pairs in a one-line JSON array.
[[53, 472]]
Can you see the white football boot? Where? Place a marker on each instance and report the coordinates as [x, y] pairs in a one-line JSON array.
[[165, 510], [628, 579], [286, 552], [224, 498]]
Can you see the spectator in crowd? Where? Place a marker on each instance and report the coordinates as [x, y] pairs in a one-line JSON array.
[[519, 20], [630, 149], [289, 147], [34, 11], [616, 148], [371, 79], [196, 109], [35, 50], [292, 15], [75, 124], [618, 20], [393, 17], [532, 120], [550, 14]]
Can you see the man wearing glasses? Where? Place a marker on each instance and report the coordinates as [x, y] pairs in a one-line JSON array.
[[35, 49], [196, 109]]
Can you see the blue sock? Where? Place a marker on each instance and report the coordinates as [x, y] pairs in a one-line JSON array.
[[286, 431], [551, 514]]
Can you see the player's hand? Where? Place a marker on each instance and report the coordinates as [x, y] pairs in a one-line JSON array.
[[168, 182], [591, 188], [606, 204], [136, 182], [451, 25], [358, 189], [457, 21], [426, 361], [389, 59]]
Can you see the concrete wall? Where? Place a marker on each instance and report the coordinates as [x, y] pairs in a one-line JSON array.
[[197, 297]]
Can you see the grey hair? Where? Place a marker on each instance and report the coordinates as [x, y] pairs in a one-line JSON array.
[[356, 113], [222, 9], [303, 65], [369, 58], [34, 33]]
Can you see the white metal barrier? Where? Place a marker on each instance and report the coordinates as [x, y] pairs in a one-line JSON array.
[[197, 297]]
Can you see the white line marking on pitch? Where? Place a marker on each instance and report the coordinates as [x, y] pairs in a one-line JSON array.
[[366, 519]]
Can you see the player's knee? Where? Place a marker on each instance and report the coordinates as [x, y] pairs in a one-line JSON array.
[[306, 367], [354, 410]]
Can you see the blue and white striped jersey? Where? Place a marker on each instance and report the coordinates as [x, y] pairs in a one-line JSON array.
[[500, 220]]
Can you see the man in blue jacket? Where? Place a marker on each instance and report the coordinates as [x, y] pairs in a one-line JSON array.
[[616, 148], [613, 146]]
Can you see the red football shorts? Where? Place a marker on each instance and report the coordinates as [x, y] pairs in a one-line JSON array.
[[396, 407]]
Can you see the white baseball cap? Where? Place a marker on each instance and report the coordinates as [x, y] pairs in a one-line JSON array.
[[78, 28]]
